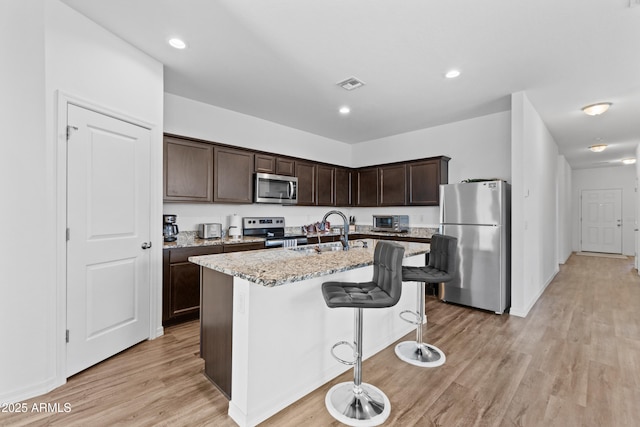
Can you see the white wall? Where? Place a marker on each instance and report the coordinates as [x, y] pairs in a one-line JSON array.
[[564, 226], [534, 206], [54, 48], [186, 117], [622, 177], [27, 259], [478, 148]]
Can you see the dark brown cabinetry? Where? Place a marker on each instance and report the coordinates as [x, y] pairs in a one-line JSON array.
[[233, 175], [181, 279], [393, 189], [343, 187], [181, 283], [306, 173], [198, 171], [325, 185], [424, 179], [366, 187], [265, 163], [187, 171]]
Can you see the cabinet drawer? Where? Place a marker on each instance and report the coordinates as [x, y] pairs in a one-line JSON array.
[[183, 254], [239, 247]]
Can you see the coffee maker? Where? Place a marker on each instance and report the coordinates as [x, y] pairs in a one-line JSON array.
[[170, 228]]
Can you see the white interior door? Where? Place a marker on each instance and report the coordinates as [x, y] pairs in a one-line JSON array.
[[602, 221], [108, 225]]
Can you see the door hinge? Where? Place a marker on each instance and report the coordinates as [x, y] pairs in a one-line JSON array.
[[67, 234], [70, 129], [66, 336]]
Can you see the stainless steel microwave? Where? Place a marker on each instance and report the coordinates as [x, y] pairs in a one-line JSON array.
[[279, 189], [391, 223]]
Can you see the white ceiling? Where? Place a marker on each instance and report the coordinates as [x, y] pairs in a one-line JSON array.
[[280, 60]]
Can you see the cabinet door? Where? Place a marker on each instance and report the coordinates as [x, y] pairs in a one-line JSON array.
[[424, 179], [239, 247], [343, 187], [265, 163], [393, 185], [233, 182], [326, 185], [181, 283], [367, 187], [188, 171], [306, 173], [285, 166], [184, 297]]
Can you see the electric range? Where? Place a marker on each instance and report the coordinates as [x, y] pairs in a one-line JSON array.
[[272, 229]]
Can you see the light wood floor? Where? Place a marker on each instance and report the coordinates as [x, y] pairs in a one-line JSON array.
[[574, 361]]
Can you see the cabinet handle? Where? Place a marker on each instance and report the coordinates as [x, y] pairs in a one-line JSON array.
[[146, 245]]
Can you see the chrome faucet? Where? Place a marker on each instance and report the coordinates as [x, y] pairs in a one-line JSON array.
[[344, 239]]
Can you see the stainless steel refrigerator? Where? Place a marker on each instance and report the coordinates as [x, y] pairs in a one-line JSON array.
[[479, 215]]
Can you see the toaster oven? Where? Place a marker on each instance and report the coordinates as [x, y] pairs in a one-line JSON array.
[[391, 223]]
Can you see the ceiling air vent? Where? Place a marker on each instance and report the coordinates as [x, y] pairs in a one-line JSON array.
[[351, 83]]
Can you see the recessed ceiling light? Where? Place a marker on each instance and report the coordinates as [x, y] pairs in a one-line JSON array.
[[598, 148], [177, 43], [628, 161], [345, 110], [596, 109], [452, 74]]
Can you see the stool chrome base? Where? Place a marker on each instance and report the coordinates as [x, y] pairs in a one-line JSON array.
[[422, 355], [365, 405]]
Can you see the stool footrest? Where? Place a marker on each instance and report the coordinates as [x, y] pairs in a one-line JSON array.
[[417, 320], [345, 362]]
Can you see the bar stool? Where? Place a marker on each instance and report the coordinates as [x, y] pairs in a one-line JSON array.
[[357, 403], [441, 268]]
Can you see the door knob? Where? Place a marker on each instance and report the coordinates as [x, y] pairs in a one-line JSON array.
[[146, 245]]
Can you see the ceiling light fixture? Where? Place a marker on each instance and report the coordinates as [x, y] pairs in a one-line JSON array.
[[596, 109], [598, 148], [628, 161], [452, 74], [177, 43], [345, 110]]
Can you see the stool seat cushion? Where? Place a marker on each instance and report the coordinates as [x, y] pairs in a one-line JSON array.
[[383, 290], [351, 294], [425, 274]]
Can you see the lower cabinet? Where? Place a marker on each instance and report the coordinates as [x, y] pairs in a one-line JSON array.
[[181, 284], [181, 280]]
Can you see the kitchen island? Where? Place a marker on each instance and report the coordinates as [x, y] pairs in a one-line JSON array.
[[266, 331]]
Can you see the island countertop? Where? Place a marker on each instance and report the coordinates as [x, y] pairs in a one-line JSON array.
[[274, 267]]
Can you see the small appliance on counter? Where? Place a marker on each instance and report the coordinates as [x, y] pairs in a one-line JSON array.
[[170, 228], [210, 231], [391, 223], [235, 227]]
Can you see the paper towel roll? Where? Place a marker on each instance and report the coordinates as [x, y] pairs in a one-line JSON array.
[[235, 227]]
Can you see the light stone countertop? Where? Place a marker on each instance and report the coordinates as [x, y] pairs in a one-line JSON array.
[[190, 239], [275, 267]]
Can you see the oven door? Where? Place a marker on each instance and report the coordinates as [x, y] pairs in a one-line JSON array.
[[276, 189], [383, 222]]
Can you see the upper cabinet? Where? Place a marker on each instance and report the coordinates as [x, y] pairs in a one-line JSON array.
[[366, 187], [344, 186], [187, 171], [266, 163], [198, 171], [233, 175], [306, 173], [326, 182], [423, 180], [393, 188]]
